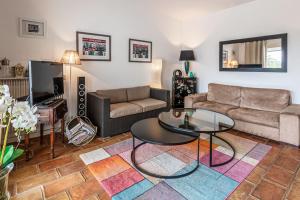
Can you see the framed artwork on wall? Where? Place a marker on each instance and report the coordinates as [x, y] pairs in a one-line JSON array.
[[32, 28], [93, 47], [140, 51]]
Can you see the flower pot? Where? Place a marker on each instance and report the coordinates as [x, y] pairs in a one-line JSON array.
[[4, 173]]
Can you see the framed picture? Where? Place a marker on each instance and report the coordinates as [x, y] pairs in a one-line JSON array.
[[32, 28], [93, 47], [140, 51]]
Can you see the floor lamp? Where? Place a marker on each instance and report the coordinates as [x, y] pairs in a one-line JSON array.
[[70, 57]]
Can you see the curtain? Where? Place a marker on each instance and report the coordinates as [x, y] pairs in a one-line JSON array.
[[255, 52]]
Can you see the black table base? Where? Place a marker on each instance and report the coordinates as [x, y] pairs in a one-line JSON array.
[[157, 175], [211, 135]]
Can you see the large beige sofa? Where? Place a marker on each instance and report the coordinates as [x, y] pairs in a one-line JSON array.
[[263, 112]]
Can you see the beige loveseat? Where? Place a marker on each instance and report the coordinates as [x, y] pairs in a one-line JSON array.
[[263, 112]]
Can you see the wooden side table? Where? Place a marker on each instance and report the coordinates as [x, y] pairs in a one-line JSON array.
[[50, 114]]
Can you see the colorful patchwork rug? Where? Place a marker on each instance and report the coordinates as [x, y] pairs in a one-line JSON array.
[[113, 169]]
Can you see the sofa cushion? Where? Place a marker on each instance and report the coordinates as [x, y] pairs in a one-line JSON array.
[[150, 104], [115, 95], [265, 99], [225, 94], [266, 118], [124, 109], [217, 107], [137, 93]]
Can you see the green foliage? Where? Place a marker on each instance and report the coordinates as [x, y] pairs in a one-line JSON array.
[[10, 155]]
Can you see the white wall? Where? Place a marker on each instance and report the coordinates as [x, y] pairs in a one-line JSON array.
[[258, 18], [120, 19]]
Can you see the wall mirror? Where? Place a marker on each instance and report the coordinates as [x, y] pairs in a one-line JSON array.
[[259, 54]]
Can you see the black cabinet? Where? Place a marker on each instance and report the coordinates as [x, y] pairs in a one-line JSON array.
[[181, 87]]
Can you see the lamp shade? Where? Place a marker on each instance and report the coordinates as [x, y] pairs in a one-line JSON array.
[[71, 57], [186, 55]]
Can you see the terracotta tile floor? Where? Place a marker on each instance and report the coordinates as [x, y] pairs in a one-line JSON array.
[[66, 177]]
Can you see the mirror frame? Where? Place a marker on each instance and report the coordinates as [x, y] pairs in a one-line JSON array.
[[250, 68]]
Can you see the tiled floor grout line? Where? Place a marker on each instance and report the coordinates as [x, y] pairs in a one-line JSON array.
[[292, 181]]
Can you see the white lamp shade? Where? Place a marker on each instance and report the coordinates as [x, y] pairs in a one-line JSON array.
[[71, 57]]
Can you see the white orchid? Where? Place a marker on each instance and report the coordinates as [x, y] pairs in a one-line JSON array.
[[17, 114], [4, 90], [24, 117]]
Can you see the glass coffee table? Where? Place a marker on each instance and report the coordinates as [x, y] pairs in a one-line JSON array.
[[177, 127], [193, 122]]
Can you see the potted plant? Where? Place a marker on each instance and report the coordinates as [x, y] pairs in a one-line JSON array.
[[19, 117]]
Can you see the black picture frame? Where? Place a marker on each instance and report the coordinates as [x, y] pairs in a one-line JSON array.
[[256, 68], [140, 60], [78, 33]]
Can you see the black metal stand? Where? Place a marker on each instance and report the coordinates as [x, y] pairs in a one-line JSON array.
[[211, 135], [157, 175]]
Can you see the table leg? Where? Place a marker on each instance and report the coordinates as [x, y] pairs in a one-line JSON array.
[[63, 129], [198, 151], [41, 133], [27, 146], [210, 149], [52, 140]]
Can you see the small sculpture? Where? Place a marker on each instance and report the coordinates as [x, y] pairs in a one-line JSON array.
[[19, 71], [5, 62]]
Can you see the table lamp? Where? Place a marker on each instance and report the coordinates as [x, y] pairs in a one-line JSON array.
[[70, 57], [186, 56]]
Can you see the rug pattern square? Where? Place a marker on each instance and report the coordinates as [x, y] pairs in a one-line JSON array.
[[113, 169]]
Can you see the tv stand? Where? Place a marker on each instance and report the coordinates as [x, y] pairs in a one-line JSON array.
[[51, 114]]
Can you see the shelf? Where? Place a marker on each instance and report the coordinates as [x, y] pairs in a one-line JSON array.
[[14, 78]]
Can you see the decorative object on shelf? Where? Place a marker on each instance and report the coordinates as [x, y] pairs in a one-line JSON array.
[[191, 75], [140, 51], [19, 117], [32, 28], [177, 73], [5, 70], [19, 70], [5, 62], [93, 47], [181, 87], [186, 56], [70, 58]]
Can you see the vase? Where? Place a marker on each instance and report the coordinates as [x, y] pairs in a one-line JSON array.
[[187, 67], [4, 173]]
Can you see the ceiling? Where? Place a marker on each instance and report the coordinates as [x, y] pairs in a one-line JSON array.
[[188, 9]]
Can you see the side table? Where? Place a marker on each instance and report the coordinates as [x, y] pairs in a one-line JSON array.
[[50, 114]]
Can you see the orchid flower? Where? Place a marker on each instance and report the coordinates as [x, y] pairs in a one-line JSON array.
[[20, 115]]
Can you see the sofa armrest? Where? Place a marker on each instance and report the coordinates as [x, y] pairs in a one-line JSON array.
[[290, 125], [160, 94], [98, 109], [194, 98], [293, 109]]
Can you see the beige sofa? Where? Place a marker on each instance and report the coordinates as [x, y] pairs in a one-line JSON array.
[[263, 112]]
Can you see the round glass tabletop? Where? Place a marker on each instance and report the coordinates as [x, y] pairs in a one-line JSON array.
[[195, 121]]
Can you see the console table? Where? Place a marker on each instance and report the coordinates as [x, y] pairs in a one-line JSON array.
[[50, 114]]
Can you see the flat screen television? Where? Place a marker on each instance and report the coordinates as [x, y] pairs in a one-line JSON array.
[[46, 81]]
